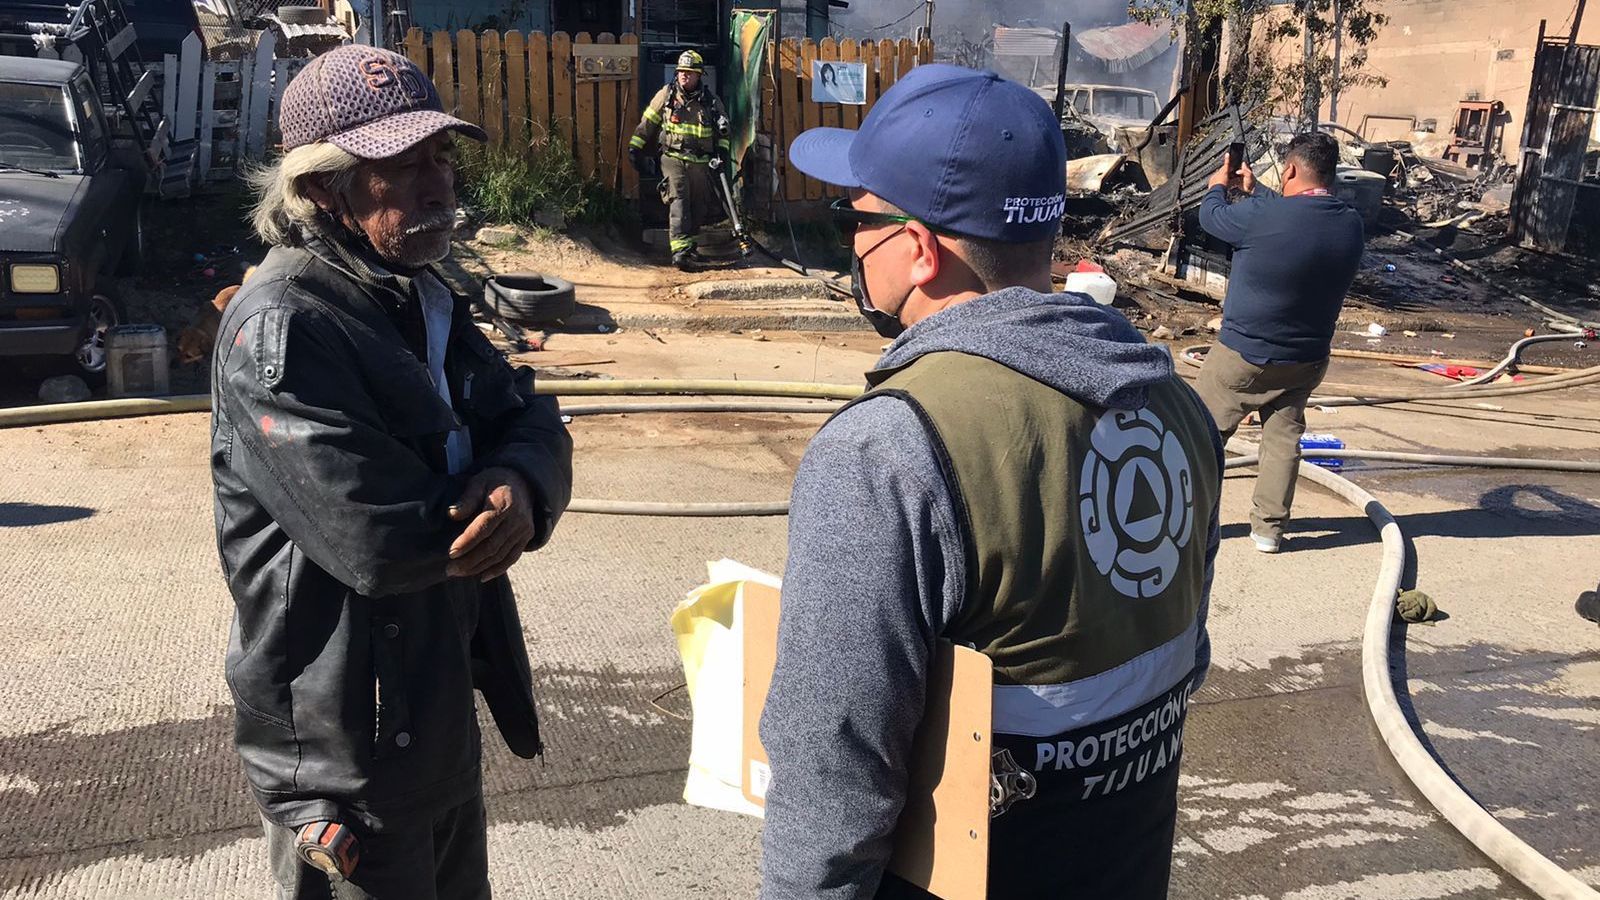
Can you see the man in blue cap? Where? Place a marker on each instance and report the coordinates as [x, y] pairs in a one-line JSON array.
[[1026, 476]]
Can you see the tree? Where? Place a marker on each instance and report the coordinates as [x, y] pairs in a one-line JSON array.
[[1333, 36]]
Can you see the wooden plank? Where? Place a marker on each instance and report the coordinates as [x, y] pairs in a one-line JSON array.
[[583, 114], [908, 56], [443, 72], [208, 119], [417, 48], [832, 115], [467, 96], [282, 71], [538, 87], [869, 55], [789, 99], [887, 63], [810, 112], [630, 119], [255, 143], [169, 86], [494, 82], [516, 91], [189, 71], [561, 90], [924, 51], [607, 147], [850, 52]]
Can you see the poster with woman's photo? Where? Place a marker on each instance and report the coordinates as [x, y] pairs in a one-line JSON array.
[[839, 82]]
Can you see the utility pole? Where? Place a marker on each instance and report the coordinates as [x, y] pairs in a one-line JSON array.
[[1577, 20], [928, 25], [1338, 60]]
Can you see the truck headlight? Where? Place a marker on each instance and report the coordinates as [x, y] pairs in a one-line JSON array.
[[36, 279]]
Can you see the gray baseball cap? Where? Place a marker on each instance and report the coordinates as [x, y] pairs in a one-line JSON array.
[[367, 101]]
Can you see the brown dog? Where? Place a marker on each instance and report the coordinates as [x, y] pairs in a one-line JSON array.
[[196, 341]]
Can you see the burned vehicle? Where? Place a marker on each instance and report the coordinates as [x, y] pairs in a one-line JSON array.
[[70, 201]]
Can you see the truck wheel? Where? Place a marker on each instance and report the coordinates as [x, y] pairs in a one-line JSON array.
[[529, 297], [105, 313]]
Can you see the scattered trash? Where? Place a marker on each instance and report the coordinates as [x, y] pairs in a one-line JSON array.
[[758, 336], [1580, 345], [603, 328], [1416, 607], [1527, 332], [1214, 325], [1448, 335], [1448, 279], [653, 336], [1391, 268], [1322, 442], [1377, 330], [499, 236], [1162, 333], [1409, 333], [1099, 286], [64, 389]]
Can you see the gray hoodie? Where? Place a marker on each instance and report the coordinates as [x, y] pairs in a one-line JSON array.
[[876, 569]]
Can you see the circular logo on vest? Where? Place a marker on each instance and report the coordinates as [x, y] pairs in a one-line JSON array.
[[1136, 501]]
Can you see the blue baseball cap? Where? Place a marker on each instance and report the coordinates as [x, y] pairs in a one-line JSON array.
[[961, 150]]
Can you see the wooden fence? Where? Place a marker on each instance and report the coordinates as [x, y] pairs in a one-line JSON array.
[[787, 110], [228, 108], [523, 91]]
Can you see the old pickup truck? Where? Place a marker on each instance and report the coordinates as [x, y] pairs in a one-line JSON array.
[[70, 201]]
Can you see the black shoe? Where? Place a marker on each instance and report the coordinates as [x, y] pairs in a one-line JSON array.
[[688, 260], [1588, 605]]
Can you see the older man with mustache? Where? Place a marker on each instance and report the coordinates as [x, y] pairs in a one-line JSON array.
[[378, 468]]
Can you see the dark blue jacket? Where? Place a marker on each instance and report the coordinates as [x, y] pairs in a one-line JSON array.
[[1294, 260]]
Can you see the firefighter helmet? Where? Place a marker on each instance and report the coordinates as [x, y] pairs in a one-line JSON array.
[[690, 61]]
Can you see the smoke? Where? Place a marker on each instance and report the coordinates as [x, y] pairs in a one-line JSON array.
[[963, 33]]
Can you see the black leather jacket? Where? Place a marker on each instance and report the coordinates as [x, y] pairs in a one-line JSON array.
[[353, 658]]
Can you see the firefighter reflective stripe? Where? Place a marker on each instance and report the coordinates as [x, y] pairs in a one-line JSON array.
[[1042, 710], [652, 114], [725, 145], [637, 142], [688, 157], [677, 244], [688, 128]]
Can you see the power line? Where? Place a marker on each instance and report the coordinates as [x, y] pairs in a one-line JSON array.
[[914, 10]]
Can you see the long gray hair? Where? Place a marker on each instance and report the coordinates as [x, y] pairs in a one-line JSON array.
[[282, 206]]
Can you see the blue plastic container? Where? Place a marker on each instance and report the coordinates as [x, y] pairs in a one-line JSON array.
[[1322, 442]]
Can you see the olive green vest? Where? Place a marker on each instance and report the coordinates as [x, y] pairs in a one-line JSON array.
[[1086, 528], [1086, 534]]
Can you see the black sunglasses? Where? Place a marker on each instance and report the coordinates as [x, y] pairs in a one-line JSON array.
[[847, 219]]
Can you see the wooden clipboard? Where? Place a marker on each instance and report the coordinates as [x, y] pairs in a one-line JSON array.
[[942, 840]]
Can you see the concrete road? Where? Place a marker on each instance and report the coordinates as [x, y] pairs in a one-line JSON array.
[[117, 779]]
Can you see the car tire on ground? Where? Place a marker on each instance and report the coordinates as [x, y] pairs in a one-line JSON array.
[[530, 297], [105, 313], [302, 15]]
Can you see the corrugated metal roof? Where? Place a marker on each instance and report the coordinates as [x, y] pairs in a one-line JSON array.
[[1125, 47], [1026, 41]]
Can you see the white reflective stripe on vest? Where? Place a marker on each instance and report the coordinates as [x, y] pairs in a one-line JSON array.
[[1046, 710]]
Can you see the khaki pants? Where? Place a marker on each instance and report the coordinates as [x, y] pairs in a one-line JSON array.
[[691, 199], [1231, 389]]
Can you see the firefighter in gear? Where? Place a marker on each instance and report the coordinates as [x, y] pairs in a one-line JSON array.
[[688, 123]]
